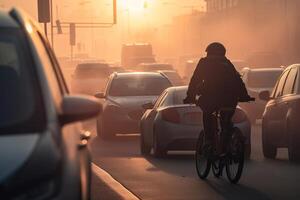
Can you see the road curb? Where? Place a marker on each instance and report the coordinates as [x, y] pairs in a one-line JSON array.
[[113, 184]]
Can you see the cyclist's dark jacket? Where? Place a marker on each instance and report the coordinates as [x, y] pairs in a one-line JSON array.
[[217, 83]]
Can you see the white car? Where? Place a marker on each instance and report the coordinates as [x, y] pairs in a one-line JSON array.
[[123, 99], [172, 125]]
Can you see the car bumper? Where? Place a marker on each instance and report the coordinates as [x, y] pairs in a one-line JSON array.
[[184, 137], [120, 124]]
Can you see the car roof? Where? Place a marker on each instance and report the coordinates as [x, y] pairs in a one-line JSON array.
[[175, 89], [266, 69], [143, 74], [154, 64], [6, 21]]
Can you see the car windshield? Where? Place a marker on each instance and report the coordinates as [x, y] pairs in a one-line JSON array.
[[180, 94], [138, 86], [92, 70], [263, 79], [21, 107]]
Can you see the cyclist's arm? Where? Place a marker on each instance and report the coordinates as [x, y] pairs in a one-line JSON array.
[[195, 81]]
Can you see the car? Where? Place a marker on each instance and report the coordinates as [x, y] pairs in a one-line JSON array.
[[153, 67], [257, 80], [264, 59], [88, 78], [171, 125], [173, 76], [136, 53], [280, 122], [123, 99], [44, 152], [239, 64]]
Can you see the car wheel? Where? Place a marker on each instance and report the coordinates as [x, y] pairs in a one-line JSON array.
[[103, 132], [293, 147], [269, 150], [145, 149], [158, 152]]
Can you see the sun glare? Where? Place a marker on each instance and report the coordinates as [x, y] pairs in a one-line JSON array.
[[133, 5]]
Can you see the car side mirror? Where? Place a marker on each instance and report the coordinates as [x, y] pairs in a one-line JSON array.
[[78, 108], [264, 95], [100, 95], [147, 106]]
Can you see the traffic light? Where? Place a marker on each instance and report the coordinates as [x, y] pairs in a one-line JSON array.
[[72, 34], [58, 26], [43, 11]]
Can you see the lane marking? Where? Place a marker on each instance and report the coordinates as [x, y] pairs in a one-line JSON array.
[[113, 183]]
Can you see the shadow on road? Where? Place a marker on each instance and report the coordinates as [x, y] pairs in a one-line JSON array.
[[230, 191]]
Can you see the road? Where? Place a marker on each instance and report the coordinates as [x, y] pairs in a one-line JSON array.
[[175, 177]]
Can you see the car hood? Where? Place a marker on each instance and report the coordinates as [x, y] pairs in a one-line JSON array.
[[26, 160], [131, 101], [14, 152]]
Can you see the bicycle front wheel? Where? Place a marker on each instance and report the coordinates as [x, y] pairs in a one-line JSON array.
[[203, 163], [235, 157]]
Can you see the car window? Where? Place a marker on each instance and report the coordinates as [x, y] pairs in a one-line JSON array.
[[160, 98], [138, 86], [280, 84], [21, 105], [289, 85], [167, 100], [263, 79], [50, 73]]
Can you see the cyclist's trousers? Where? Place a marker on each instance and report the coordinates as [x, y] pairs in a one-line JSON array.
[[225, 122]]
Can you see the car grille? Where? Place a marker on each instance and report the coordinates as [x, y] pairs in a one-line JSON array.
[[136, 114]]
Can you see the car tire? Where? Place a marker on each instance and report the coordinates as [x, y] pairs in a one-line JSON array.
[[158, 152], [145, 149], [293, 147], [103, 132], [269, 150]]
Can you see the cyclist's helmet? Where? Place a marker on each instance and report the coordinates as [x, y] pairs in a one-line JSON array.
[[216, 49]]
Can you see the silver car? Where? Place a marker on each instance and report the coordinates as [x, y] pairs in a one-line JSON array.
[[123, 99], [257, 80], [43, 150], [172, 125]]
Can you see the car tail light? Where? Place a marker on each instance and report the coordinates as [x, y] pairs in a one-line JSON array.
[[239, 116], [171, 115]]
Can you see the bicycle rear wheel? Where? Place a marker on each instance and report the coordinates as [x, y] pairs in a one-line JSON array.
[[235, 157], [203, 163]]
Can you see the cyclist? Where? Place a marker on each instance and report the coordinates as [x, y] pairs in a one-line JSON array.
[[217, 85]]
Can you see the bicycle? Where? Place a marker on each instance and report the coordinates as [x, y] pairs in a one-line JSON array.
[[232, 159]]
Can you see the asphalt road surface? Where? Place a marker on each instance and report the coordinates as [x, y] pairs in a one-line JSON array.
[[174, 177]]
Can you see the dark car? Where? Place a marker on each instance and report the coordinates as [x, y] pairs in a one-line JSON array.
[[280, 124], [90, 77], [43, 151], [124, 97], [257, 80], [153, 67]]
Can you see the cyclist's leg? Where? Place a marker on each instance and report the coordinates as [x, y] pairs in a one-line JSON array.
[[226, 126], [208, 125]]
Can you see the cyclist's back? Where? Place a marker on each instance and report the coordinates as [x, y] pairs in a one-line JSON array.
[[218, 85]]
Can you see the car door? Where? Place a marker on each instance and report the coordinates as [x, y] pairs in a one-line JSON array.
[[72, 140], [289, 100], [151, 117], [276, 111]]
